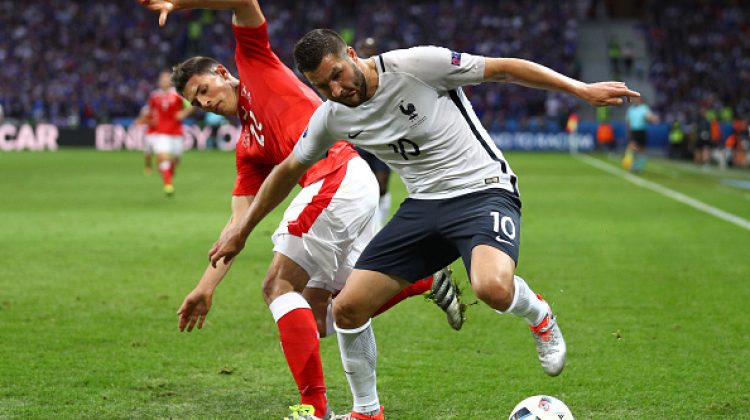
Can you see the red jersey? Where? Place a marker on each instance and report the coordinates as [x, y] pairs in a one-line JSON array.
[[163, 107], [274, 107]]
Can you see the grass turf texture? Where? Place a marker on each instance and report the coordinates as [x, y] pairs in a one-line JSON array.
[[649, 292]]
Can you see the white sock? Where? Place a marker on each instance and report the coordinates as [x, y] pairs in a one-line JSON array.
[[359, 358], [286, 303], [384, 208], [526, 304]]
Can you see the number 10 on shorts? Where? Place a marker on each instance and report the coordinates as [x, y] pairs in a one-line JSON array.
[[504, 224]]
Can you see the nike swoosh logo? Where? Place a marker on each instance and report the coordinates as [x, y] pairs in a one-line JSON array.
[[354, 135], [499, 239]]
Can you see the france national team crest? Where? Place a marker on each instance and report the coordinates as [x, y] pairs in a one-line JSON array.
[[455, 58]]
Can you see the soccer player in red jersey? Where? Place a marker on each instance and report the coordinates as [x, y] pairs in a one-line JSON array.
[[326, 226], [163, 116]]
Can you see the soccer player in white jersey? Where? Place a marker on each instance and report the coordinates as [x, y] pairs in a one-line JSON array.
[[407, 108]]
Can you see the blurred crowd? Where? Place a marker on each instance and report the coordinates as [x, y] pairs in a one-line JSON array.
[[77, 63], [700, 53], [74, 63], [82, 62], [700, 68]]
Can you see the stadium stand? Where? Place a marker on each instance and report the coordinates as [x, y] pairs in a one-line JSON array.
[[78, 64], [700, 56], [84, 62]]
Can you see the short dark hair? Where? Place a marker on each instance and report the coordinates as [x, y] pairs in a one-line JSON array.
[[316, 44], [182, 72]]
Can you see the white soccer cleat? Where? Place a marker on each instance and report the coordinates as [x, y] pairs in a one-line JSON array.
[[550, 344], [446, 295], [359, 416]]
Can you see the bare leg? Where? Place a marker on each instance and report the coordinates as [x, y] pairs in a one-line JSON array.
[[147, 168], [164, 163], [320, 301], [494, 282]]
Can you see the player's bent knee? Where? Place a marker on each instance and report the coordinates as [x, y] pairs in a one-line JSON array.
[[268, 288], [495, 290], [347, 316], [273, 287]]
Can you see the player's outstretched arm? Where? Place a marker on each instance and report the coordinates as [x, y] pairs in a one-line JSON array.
[[530, 74], [246, 12], [186, 110], [143, 117], [274, 190], [197, 303]]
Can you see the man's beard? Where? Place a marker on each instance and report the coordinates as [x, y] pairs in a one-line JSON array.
[[360, 83]]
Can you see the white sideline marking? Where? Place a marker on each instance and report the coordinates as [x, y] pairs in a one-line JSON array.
[[677, 196]]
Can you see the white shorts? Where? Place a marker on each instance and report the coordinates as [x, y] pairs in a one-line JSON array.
[[326, 238], [148, 144], [164, 144]]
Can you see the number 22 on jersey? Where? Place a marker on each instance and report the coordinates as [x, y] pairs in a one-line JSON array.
[[253, 124]]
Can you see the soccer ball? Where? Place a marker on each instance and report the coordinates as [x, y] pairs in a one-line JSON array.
[[541, 407]]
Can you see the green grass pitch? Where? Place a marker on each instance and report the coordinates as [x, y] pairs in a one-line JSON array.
[[650, 294]]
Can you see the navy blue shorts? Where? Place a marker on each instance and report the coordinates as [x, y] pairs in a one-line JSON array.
[[427, 235], [639, 137]]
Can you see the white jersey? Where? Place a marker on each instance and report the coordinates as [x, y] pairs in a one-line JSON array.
[[420, 123]]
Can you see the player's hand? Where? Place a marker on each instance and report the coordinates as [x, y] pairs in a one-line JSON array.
[[163, 7], [194, 309], [227, 247], [607, 93]]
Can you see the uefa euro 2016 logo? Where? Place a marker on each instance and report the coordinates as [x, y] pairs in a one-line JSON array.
[[455, 58]]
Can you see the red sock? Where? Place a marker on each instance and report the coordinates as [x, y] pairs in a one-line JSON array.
[[416, 288], [299, 339], [166, 173]]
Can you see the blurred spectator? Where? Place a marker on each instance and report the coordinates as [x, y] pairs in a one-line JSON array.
[[554, 110], [702, 151], [605, 133], [571, 126], [367, 48], [614, 54], [213, 120], [717, 148], [737, 144], [628, 56], [676, 148]]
